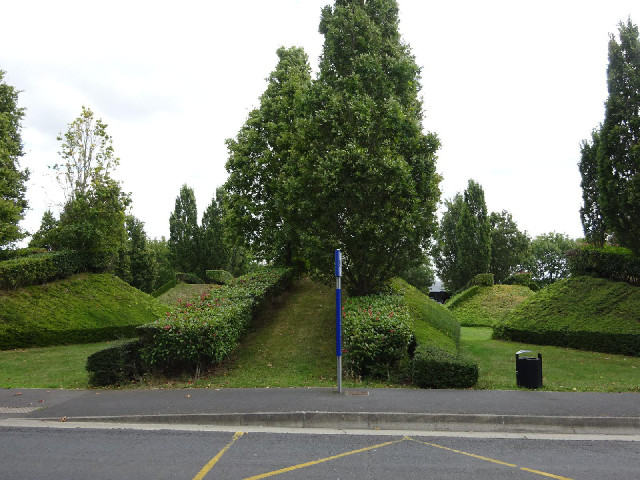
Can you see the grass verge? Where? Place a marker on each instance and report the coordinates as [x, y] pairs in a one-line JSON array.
[[48, 367], [563, 369]]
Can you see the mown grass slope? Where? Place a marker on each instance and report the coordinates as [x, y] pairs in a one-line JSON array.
[[484, 306], [81, 309], [580, 312]]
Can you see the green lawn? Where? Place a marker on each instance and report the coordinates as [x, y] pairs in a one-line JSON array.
[[47, 367], [562, 368]]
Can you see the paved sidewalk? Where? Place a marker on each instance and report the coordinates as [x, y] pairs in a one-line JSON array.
[[436, 410]]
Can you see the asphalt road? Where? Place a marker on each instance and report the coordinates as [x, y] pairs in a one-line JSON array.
[[80, 453]]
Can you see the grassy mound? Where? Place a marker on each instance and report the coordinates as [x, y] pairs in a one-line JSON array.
[[580, 312], [82, 309], [433, 325], [485, 306]]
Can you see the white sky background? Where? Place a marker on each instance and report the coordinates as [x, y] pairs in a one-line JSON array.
[[510, 87]]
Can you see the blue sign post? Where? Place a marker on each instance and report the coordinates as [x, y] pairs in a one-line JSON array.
[[338, 262]]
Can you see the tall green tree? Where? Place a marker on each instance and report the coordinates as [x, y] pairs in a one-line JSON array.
[[474, 234], [143, 266], [616, 146], [93, 218], [213, 249], [509, 246], [13, 203], [446, 248], [366, 178], [260, 158], [46, 236], [166, 272], [547, 260], [593, 222], [184, 232]]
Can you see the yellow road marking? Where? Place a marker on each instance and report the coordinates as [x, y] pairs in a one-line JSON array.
[[544, 474], [492, 460], [322, 460], [487, 459], [215, 459]]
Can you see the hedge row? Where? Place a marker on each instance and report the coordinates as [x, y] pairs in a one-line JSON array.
[[405, 333], [437, 368], [612, 263], [219, 277], [483, 280], [116, 365], [203, 331], [463, 296], [579, 312], [377, 334], [40, 268], [164, 288]]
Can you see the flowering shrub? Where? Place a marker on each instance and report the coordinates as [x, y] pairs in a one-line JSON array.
[[205, 330], [377, 334]]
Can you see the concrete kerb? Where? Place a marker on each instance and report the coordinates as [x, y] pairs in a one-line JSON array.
[[388, 421]]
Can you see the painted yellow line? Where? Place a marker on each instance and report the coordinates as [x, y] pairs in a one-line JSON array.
[[322, 460], [492, 460], [545, 474], [215, 459]]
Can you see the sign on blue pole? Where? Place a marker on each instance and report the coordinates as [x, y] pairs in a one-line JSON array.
[[338, 264]]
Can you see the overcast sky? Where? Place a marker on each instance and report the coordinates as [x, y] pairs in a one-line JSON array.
[[510, 87]]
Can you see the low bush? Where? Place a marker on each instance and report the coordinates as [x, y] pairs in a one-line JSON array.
[[434, 367], [579, 312], [202, 332], [377, 334], [116, 365], [483, 280], [612, 263], [523, 279], [219, 277], [191, 278]]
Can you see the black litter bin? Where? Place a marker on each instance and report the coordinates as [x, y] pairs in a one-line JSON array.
[[528, 370]]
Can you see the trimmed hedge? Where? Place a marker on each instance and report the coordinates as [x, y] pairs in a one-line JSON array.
[[116, 365], [462, 296], [612, 263], [219, 277], [204, 331], [164, 288], [377, 334], [40, 268], [19, 253], [433, 323], [582, 312], [483, 280], [437, 368], [190, 278]]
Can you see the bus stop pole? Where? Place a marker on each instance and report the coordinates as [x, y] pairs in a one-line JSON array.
[[338, 262]]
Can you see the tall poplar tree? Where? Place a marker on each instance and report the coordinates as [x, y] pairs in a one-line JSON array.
[[13, 203], [474, 233], [614, 152], [184, 232], [366, 178]]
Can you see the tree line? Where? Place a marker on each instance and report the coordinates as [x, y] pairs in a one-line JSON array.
[[339, 160]]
